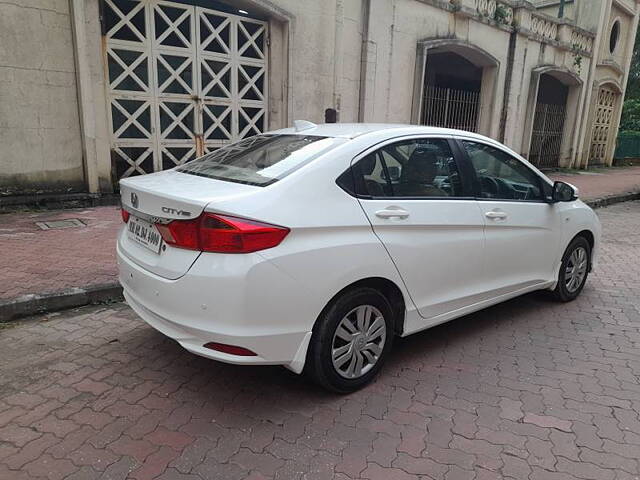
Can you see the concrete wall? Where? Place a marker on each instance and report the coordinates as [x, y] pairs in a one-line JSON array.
[[325, 39], [39, 126]]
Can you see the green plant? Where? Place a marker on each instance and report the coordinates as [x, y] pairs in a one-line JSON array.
[[630, 121], [577, 58], [501, 14]]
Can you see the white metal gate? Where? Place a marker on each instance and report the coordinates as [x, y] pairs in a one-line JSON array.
[[602, 126], [451, 108], [547, 135], [182, 80]]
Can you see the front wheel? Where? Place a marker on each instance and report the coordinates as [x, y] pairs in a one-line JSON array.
[[574, 270], [351, 340]]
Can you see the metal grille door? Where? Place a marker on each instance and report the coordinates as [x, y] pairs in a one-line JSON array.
[[602, 126], [183, 80], [451, 108], [546, 138]]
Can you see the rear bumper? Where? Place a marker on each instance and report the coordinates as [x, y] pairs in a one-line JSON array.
[[230, 307]]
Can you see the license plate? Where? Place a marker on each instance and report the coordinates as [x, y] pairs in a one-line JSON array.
[[144, 233]]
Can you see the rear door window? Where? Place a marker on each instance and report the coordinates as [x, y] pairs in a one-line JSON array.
[[261, 160], [416, 168]]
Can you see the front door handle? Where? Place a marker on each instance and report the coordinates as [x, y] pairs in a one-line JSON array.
[[391, 212], [493, 215]]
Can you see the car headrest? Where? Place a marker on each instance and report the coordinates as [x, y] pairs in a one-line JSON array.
[[421, 167]]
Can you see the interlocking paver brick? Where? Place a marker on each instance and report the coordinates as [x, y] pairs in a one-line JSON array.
[[51, 468], [176, 440], [35, 266], [376, 472], [547, 422], [98, 459], [529, 389], [29, 452], [588, 471], [17, 435], [155, 464]]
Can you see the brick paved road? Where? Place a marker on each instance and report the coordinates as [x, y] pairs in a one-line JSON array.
[[528, 389], [43, 261]]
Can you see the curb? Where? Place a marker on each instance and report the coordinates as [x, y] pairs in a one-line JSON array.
[[15, 203], [33, 304], [613, 199]]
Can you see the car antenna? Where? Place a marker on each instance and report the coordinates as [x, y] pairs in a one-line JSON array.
[[300, 125]]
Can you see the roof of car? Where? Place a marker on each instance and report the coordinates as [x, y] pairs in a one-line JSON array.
[[352, 130]]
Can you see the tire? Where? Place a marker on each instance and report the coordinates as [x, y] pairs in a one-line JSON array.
[[566, 291], [335, 374]]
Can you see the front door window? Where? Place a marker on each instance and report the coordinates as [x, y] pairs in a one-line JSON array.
[[501, 176]]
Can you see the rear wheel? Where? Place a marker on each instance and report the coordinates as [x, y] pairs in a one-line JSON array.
[[351, 340], [574, 270]]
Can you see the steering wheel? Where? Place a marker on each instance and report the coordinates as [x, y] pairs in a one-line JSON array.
[[490, 187]]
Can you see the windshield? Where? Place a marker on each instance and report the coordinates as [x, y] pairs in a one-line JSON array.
[[260, 160]]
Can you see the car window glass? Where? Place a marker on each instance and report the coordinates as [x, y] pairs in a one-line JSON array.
[[370, 177], [500, 175], [411, 168], [422, 168], [260, 160]]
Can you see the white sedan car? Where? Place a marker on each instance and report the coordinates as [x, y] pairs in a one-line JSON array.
[[313, 247]]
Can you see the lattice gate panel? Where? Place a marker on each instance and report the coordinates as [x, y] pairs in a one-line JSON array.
[[183, 80], [547, 135], [451, 108], [600, 135]]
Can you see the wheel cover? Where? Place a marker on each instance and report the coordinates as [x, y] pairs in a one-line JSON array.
[[358, 341], [576, 269]]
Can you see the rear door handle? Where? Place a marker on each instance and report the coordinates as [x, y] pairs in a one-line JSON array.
[[391, 212], [496, 215]]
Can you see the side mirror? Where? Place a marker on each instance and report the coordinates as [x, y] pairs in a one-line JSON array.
[[564, 192]]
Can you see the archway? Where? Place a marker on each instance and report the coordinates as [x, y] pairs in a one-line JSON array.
[[551, 118], [548, 122], [455, 85]]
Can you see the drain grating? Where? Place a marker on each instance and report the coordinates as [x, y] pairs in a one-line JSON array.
[[59, 224]]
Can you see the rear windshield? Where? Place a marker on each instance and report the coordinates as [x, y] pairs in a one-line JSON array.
[[260, 160]]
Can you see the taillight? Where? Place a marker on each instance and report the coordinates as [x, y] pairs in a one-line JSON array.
[[222, 234], [125, 215]]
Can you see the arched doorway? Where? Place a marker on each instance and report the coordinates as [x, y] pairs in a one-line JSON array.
[[548, 122], [455, 85], [551, 116], [451, 92]]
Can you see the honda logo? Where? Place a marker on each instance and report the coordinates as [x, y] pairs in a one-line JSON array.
[[134, 200]]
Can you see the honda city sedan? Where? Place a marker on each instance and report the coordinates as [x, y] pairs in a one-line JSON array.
[[313, 247]]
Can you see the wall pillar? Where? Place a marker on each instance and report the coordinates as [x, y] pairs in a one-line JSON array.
[[92, 102], [488, 102]]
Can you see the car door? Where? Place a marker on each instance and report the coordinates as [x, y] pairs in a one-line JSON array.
[[419, 203], [521, 228]]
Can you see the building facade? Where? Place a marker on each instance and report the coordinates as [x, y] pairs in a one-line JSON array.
[[95, 90]]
